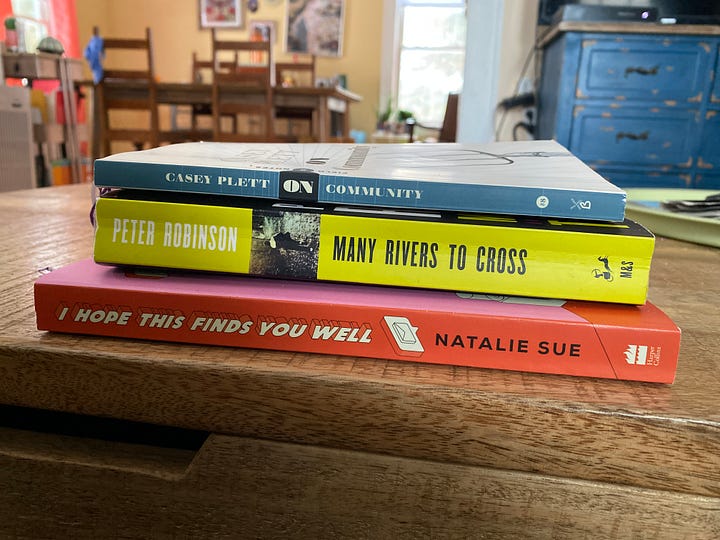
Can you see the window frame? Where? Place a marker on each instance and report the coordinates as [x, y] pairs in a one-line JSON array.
[[41, 20], [483, 37], [392, 43], [403, 49]]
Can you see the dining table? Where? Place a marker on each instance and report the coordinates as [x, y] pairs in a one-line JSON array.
[[329, 105]]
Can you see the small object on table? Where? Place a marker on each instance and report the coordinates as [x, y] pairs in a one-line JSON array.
[[708, 207], [647, 206]]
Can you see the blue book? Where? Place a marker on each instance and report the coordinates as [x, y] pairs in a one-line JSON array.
[[533, 178]]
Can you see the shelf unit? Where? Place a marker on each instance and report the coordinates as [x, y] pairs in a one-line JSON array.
[[66, 70]]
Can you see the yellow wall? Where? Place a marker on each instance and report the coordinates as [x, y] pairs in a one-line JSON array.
[[176, 34]]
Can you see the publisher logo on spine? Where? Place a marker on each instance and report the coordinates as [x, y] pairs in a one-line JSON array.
[[298, 185], [642, 355]]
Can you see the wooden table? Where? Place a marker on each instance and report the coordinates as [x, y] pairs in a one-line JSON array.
[[299, 445], [324, 101], [330, 105]]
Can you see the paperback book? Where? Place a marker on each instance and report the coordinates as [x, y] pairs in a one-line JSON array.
[[590, 339], [552, 258], [537, 178]]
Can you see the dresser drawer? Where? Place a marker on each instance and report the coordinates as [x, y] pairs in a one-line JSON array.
[[634, 135], [707, 181], [715, 92], [646, 68], [709, 152]]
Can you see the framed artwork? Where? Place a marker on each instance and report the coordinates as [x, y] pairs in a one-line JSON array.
[[221, 13], [262, 31], [315, 26]]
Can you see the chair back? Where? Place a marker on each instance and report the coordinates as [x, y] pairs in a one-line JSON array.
[[202, 70], [247, 89], [448, 131], [250, 60], [128, 83], [120, 53], [295, 73]]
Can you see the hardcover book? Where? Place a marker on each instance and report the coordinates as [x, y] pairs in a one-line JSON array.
[[590, 339], [451, 251], [537, 178]]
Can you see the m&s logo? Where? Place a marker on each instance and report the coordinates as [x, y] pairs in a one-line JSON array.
[[298, 185]]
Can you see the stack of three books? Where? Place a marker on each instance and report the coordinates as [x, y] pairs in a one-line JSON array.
[[511, 256]]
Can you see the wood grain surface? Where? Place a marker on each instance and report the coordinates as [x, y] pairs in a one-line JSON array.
[[249, 488], [572, 457]]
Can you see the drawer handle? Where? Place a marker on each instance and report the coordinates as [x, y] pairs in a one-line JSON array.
[[642, 71], [632, 136]]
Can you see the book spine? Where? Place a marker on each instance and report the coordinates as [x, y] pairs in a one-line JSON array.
[[391, 333], [471, 256], [653, 343], [525, 201], [311, 187]]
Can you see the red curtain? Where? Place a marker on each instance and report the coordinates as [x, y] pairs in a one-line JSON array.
[[64, 27]]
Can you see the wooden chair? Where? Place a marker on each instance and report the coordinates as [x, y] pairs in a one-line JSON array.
[[245, 92], [447, 132], [202, 71], [295, 74], [127, 89]]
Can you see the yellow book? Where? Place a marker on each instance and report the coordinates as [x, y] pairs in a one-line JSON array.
[[503, 255], [38, 101]]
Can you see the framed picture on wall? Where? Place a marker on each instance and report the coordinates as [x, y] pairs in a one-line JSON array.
[[315, 26], [262, 31], [221, 13]]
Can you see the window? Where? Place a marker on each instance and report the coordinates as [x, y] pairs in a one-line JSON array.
[[32, 19], [430, 56]]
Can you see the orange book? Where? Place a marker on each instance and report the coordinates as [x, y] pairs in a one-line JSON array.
[[60, 173], [589, 339]]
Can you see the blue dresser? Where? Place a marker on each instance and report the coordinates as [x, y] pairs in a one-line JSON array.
[[638, 103]]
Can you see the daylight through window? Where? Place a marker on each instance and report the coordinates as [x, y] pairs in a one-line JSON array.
[[431, 56]]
